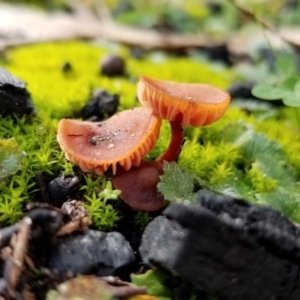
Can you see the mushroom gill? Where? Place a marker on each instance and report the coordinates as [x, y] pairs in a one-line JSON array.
[[124, 140]]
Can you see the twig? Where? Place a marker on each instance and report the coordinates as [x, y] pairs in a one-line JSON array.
[[15, 266], [37, 26]]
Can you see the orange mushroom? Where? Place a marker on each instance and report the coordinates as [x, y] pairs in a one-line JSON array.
[[139, 186], [183, 104], [124, 140]]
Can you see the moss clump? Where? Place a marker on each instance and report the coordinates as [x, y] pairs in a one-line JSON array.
[[58, 94], [63, 94], [233, 157], [241, 154]]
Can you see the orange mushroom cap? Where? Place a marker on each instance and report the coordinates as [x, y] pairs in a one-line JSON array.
[[200, 104], [124, 139]]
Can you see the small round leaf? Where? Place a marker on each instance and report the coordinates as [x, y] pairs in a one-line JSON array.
[[268, 92]]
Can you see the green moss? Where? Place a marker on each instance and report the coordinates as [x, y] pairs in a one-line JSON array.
[[59, 95], [241, 154], [247, 158]]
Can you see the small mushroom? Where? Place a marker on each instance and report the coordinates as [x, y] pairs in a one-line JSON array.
[[139, 186], [124, 140], [183, 104]]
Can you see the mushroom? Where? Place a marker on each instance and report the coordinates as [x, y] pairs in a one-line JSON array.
[[183, 104], [124, 140], [139, 186]]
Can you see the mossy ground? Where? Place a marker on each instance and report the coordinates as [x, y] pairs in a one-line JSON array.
[[214, 153]]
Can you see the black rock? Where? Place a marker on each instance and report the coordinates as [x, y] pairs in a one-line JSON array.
[[228, 247], [214, 7], [62, 187], [242, 91], [92, 252], [113, 65], [101, 105], [14, 97], [45, 221], [218, 53], [66, 68]]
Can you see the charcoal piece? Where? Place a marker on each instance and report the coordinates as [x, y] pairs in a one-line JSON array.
[[14, 98], [228, 247], [218, 53], [62, 187], [101, 105], [45, 221], [113, 65], [92, 252], [66, 68], [241, 90]]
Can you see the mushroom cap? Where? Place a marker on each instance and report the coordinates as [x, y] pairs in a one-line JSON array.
[[123, 140], [139, 186], [199, 104]]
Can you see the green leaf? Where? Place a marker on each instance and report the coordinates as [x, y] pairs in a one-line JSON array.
[[286, 65], [155, 282], [11, 157], [268, 92], [288, 83], [176, 184], [297, 88], [291, 100], [236, 187], [284, 201]]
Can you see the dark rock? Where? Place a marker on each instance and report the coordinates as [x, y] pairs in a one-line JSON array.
[[66, 68], [93, 252], [113, 65], [62, 187], [228, 247], [14, 97], [214, 7], [218, 53], [45, 221], [101, 105], [241, 90]]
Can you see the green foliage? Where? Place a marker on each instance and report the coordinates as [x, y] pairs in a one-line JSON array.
[[284, 201], [158, 285], [155, 282], [11, 157], [283, 84], [141, 220], [287, 90], [36, 138], [176, 185], [234, 159], [182, 16], [103, 214]]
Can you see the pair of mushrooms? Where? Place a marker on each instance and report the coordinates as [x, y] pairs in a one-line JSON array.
[[126, 138]]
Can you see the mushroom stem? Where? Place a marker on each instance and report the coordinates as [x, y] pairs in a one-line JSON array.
[[175, 145]]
